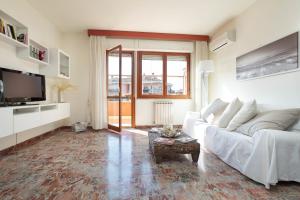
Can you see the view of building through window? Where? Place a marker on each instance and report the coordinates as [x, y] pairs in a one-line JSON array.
[[177, 75], [152, 74], [113, 75]]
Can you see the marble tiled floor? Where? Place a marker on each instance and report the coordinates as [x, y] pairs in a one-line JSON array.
[[103, 165]]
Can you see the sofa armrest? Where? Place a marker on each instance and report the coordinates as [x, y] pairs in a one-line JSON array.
[[189, 121]]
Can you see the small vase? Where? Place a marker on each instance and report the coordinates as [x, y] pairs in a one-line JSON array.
[[60, 98]]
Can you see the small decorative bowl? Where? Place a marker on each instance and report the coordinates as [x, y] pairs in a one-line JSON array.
[[170, 133]]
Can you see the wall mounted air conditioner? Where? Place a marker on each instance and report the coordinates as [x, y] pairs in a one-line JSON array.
[[222, 41]]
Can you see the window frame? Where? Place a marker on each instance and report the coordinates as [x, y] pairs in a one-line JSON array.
[[164, 56]]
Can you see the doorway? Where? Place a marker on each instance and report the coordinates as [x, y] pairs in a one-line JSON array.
[[120, 89]]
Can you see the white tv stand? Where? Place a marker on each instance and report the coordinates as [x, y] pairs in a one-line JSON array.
[[16, 119]]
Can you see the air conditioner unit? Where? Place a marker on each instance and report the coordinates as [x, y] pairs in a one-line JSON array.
[[222, 41]]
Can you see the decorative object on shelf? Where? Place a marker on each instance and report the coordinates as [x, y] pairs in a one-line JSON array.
[[61, 87], [42, 55], [21, 38], [61, 73], [11, 31], [31, 51], [277, 57], [7, 31], [36, 53], [2, 26]]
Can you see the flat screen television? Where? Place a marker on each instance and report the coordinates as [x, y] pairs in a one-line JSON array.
[[17, 87]]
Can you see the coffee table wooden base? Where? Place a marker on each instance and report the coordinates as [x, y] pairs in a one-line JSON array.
[[160, 150]]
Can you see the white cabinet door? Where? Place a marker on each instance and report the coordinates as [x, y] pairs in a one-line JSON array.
[[64, 110], [23, 122], [49, 116], [6, 122]]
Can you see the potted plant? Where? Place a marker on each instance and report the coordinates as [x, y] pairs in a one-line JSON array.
[[61, 87]]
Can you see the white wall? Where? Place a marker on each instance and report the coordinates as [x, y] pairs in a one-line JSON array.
[[77, 46], [40, 30], [145, 110], [264, 22]]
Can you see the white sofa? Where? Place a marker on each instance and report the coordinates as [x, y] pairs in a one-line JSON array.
[[267, 157]]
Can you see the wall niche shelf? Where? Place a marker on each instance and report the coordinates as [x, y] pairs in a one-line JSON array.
[[11, 29], [32, 53], [59, 65], [54, 62]]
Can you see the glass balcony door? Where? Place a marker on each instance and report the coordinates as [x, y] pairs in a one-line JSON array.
[[128, 100], [114, 88]]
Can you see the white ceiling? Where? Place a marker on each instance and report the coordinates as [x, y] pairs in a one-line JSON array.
[[168, 16]]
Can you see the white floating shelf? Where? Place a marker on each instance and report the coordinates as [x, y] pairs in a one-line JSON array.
[[25, 53], [59, 65], [19, 28], [12, 41], [40, 62], [55, 63]]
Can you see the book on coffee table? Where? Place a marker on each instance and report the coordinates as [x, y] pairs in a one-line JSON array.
[[166, 141], [155, 130], [186, 139]]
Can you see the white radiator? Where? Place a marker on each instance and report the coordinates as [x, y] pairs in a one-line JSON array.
[[163, 112]]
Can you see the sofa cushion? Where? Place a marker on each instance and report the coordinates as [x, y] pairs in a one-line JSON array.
[[213, 108], [296, 126], [277, 120], [229, 113], [247, 112]]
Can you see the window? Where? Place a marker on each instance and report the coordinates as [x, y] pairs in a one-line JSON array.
[[152, 75], [163, 75]]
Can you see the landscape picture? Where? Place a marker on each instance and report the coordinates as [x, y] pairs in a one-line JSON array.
[[278, 57]]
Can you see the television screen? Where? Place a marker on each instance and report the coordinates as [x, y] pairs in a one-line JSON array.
[[22, 87]]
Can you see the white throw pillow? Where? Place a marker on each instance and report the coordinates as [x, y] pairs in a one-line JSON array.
[[215, 117], [276, 120], [296, 126], [247, 112], [229, 113], [213, 108]]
